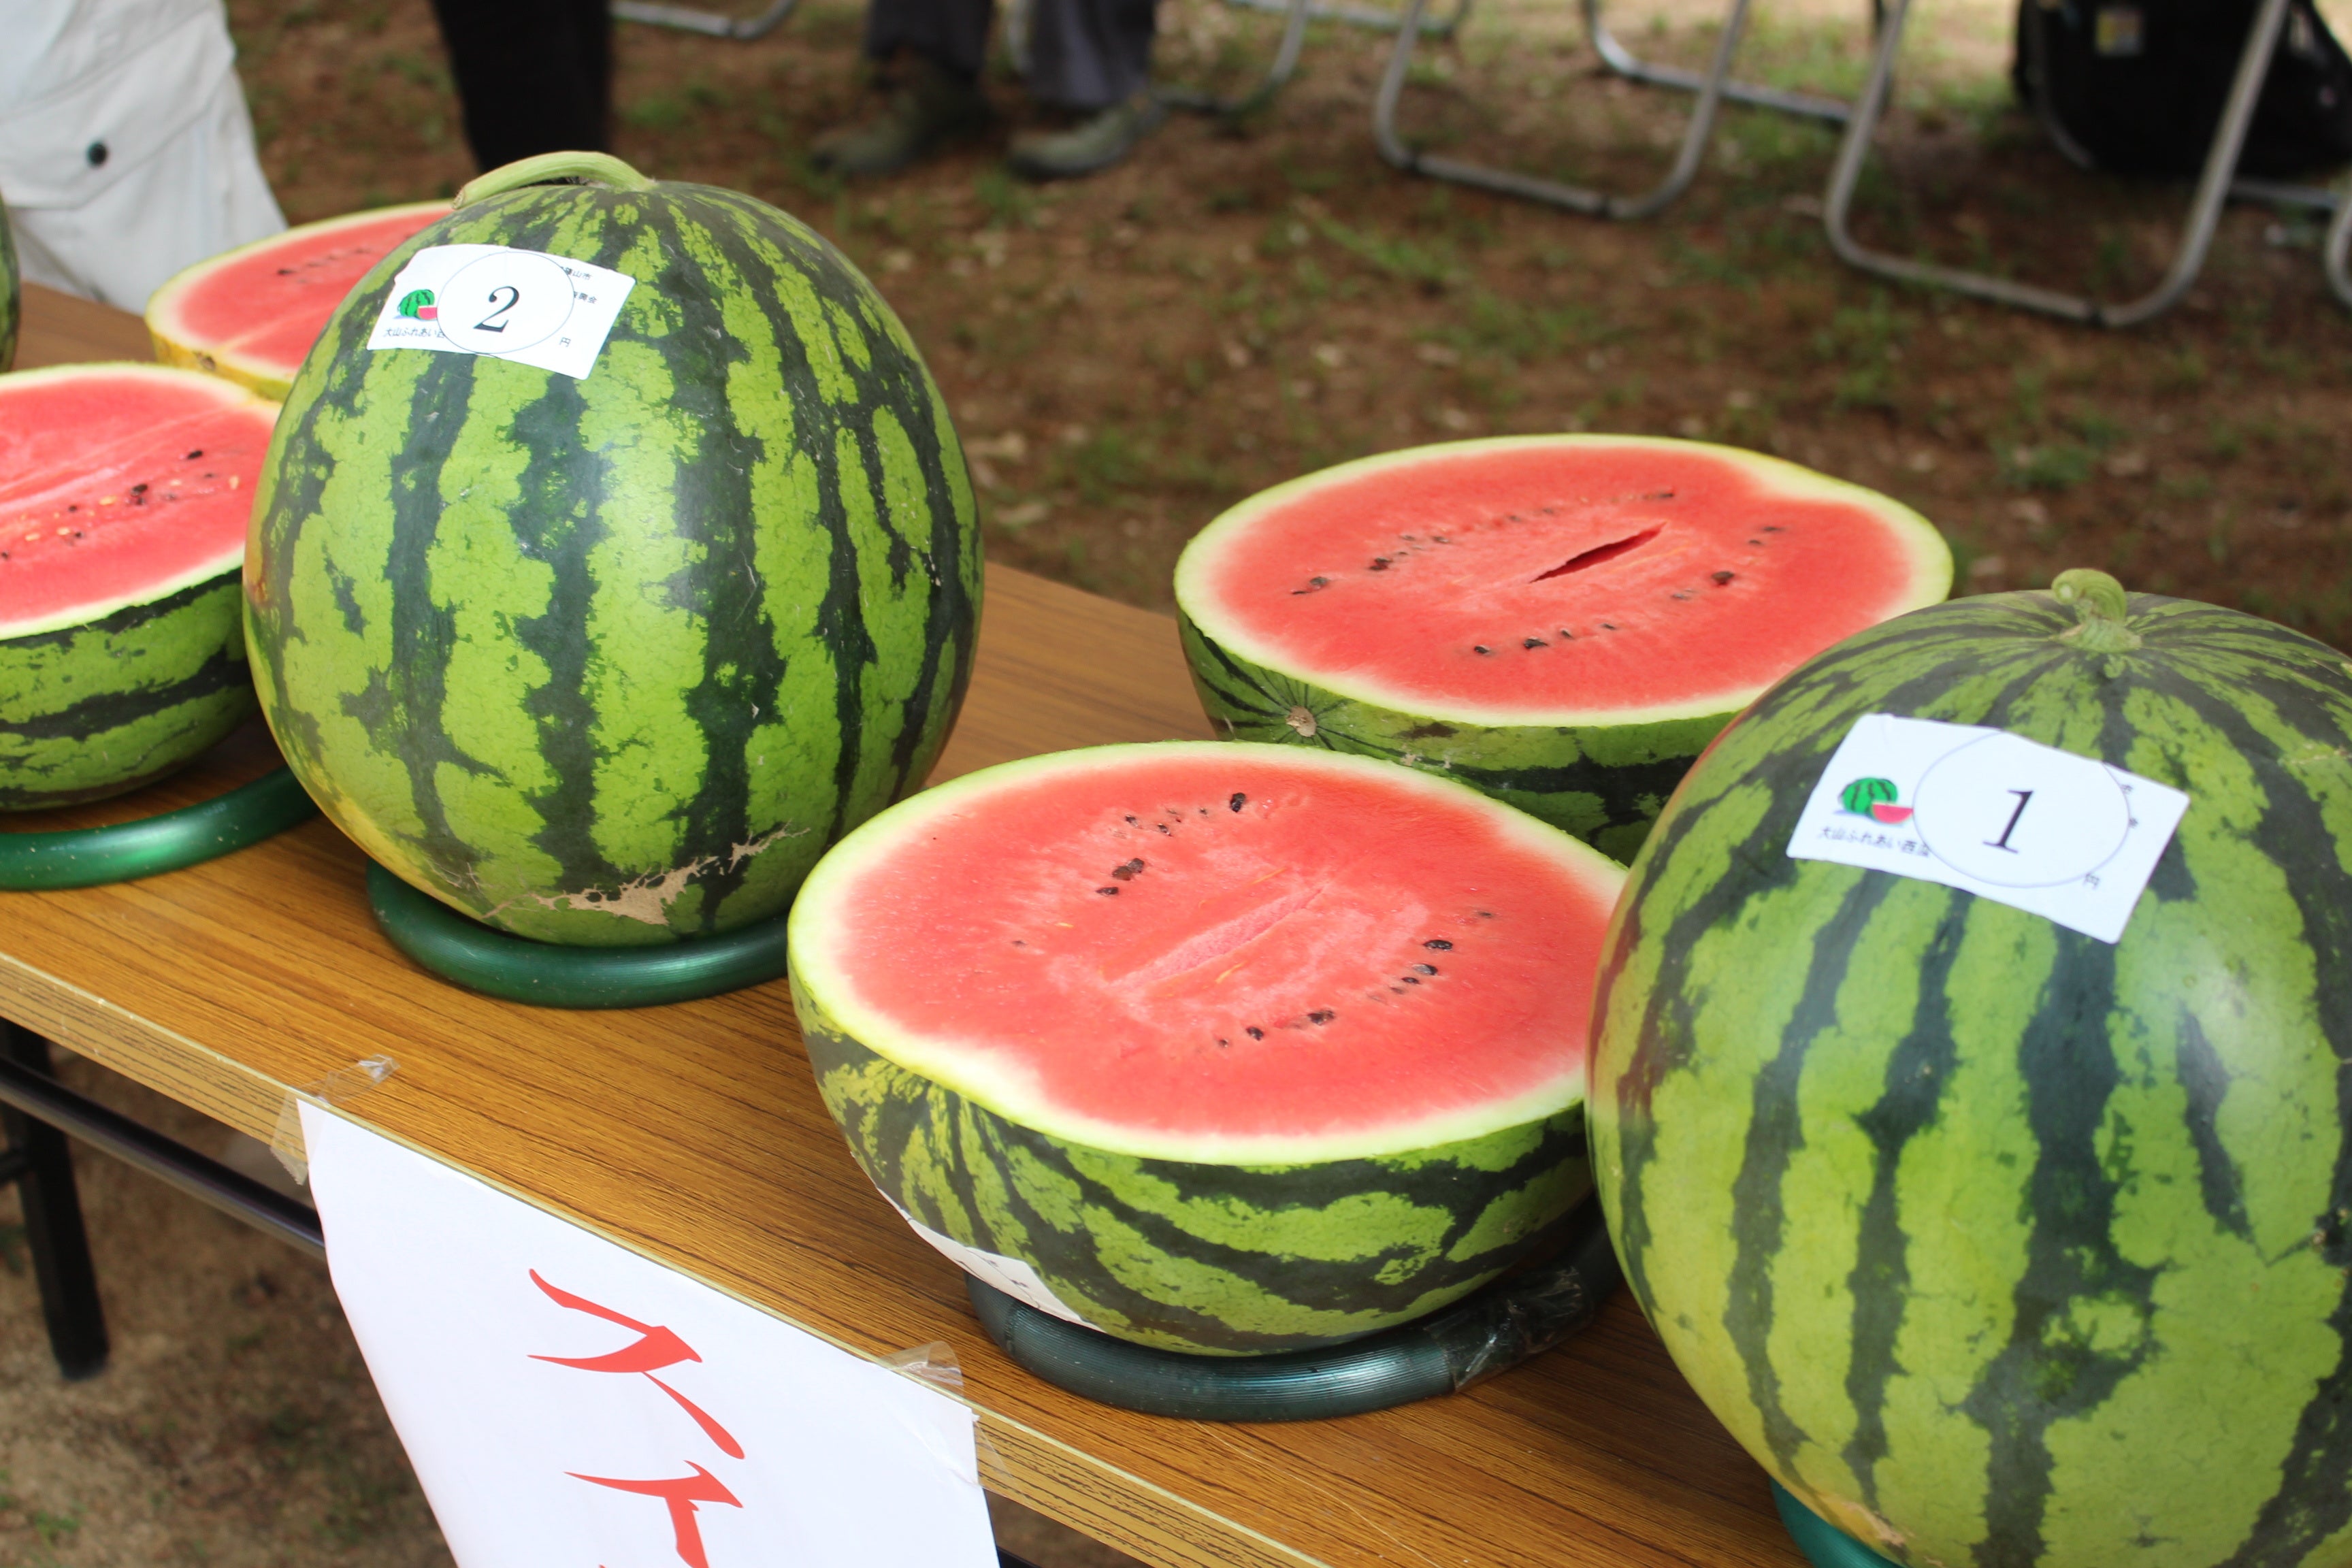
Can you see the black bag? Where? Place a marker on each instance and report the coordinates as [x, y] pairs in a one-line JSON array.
[[2137, 87]]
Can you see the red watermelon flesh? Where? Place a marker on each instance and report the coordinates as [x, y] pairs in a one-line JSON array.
[[1557, 578], [252, 313], [1220, 952], [119, 484]]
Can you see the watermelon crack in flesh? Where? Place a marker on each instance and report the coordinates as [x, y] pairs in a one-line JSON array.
[[1561, 621], [123, 520], [1183, 1025]]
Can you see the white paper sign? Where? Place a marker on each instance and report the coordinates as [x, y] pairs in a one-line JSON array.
[[568, 1404], [1010, 1275], [2006, 818], [523, 305]]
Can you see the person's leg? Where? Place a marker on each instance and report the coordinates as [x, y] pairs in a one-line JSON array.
[[1092, 56], [927, 57], [533, 76], [1088, 55]]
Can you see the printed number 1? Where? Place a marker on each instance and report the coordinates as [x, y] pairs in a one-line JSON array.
[[2024, 797], [490, 323]]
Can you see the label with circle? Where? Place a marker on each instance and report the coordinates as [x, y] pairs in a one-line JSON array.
[[505, 302], [2069, 837], [2017, 815], [526, 307]]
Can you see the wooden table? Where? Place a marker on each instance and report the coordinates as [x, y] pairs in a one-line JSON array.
[[694, 1135]]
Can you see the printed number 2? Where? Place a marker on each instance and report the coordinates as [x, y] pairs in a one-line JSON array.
[[2024, 797], [490, 323]]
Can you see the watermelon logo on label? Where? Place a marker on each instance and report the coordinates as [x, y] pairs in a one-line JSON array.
[[1873, 799], [417, 305]]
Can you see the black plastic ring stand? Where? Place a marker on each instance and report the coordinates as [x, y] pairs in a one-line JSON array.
[[1824, 1543], [1509, 1321], [548, 976], [170, 841]]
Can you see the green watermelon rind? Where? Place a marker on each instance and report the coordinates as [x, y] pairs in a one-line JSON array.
[[1601, 774], [1197, 1256], [97, 709], [496, 759], [1992, 1242], [1604, 784], [1234, 1246]]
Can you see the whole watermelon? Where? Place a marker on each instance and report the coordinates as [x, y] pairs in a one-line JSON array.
[[1996, 1244], [611, 661]]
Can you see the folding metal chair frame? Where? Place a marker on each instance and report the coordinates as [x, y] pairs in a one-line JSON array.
[[687, 19], [1627, 63], [1373, 16], [2213, 188], [1296, 13]]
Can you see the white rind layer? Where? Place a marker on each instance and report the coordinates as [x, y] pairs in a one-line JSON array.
[[231, 558], [1019, 1096], [1930, 557]]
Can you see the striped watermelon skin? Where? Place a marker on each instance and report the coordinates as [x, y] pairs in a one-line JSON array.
[[1210, 1259], [1995, 1244], [611, 661], [1605, 784], [100, 708]]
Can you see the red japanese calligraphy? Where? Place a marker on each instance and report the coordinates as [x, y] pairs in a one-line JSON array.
[[681, 1494], [657, 1347]]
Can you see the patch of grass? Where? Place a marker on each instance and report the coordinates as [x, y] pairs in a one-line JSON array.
[[1432, 267], [1005, 199]]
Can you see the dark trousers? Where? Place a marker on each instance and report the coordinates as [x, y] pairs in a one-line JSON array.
[[533, 76], [1083, 54]]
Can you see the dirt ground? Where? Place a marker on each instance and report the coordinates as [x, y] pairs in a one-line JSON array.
[[1243, 303]]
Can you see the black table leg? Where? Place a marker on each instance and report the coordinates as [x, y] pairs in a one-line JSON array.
[[38, 1161]]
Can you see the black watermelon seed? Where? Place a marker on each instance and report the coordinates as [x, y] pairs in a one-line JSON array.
[[1322, 1015], [1312, 584], [1608, 626], [1108, 892], [1678, 594], [1425, 968], [1723, 577], [1238, 801], [194, 455], [1774, 528], [1481, 647], [1254, 1032], [1535, 642], [1161, 826], [1132, 822], [1018, 943], [1486, 914], [1224, 1042], [1755, 541], [1439, 538], [1410, 979], [1380, 564], [139, 489], [1438, 944]]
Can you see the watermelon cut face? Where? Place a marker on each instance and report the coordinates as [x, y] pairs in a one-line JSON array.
[[251, 314], [1562, 621], [1240, 1048], [1995, 1242], [124, 493]]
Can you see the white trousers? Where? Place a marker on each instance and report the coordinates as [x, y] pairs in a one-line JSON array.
[[201, 193]]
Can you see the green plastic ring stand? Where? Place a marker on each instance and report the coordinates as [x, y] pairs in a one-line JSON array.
[[171, 841], [1513, 1320], [1824, 1543], [547, 975]]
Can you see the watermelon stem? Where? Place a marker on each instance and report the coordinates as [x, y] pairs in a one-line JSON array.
[[553, 168], [2102, 607]]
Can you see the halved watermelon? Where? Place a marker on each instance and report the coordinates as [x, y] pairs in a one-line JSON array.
[[1561, 621], [251, 313], [1222, 1049], [124, 492]]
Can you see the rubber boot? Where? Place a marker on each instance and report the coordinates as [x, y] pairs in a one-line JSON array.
[[926, 109], [1095, 142]]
